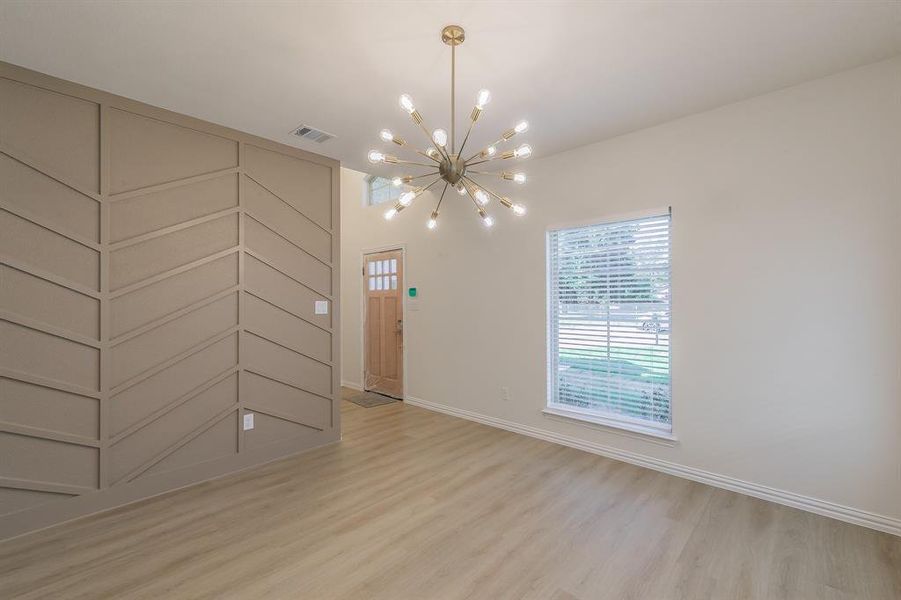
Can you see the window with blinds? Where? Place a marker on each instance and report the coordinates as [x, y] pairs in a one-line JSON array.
[[609, 323]]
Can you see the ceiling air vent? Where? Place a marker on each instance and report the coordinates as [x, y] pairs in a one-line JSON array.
[[314, 135]]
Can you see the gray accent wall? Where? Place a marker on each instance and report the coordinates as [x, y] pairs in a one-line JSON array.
[[157, 282]]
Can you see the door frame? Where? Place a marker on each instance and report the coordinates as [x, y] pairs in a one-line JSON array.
[[402, 248]]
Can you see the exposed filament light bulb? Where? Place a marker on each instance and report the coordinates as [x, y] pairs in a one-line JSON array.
[[439, 136], [390, 214], [387, 136], [488, 221], [406, 199], [483, 98], [520, 127], [481, 197], [431, 152], [489, 151], [397, 182], [433, 220], [515, 177], [406, 103], [519, 210], [523, 151], [376, 157], [461, 189]]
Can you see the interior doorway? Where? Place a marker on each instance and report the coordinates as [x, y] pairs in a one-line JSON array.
[[383, 330]]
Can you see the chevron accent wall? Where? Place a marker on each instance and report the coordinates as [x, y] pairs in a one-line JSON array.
[[158, 276]]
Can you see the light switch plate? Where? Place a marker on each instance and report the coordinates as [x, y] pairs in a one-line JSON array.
[[321, 307], [248, 421]]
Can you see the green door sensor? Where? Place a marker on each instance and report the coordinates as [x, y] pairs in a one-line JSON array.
[[411, 292]]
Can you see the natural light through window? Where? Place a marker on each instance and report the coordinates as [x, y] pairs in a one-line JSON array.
[[380, 189], [609, 323]]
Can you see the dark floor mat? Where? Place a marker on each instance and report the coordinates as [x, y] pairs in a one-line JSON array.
[[370, 399]]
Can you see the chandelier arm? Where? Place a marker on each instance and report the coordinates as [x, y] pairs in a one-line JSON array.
[[505, 201], [480, 210], [479, 207], [478, 162], [428, 135], [466, 138], [437, 179], [428, 156], [434, 181], [494, 143], [473, 182], [410, 162], [441, 199], [421, 176]]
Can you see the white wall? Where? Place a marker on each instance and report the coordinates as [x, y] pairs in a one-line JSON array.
[[786, 268]]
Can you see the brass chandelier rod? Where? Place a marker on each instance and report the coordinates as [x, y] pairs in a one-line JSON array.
[[428, 156], [409, 179], [444, 191], [425, 130], [453, 139], [466, 137], [410, 162]]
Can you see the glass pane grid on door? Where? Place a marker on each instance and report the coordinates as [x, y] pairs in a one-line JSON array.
[[383, 329], [382, 275]]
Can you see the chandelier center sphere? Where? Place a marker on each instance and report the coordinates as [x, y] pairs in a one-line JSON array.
[[453, 170]]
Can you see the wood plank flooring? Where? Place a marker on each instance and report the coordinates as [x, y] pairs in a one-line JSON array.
[[417, 505]]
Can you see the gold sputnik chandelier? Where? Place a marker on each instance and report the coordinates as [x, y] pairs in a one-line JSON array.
[[447, 162]]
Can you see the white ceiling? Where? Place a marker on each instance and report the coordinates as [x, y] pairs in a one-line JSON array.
[[579, 71]]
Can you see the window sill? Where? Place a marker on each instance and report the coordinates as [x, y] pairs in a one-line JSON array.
[[632, 430]]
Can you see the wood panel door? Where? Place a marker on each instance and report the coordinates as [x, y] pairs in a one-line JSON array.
[[383, 333]]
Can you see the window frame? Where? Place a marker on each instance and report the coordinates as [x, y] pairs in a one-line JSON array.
[[626, 425], [368, 180]]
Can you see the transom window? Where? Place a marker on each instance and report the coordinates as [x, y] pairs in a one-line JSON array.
[[380, 189], [609, 324]]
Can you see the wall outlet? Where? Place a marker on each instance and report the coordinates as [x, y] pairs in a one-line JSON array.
[[248, 421], [320, 307], [505, 393]]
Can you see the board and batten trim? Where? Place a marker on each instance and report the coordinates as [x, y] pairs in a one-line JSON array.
[[756, 490], [87, 504], [160, 266]]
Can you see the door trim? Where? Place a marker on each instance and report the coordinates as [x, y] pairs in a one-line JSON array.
[[362, 261]]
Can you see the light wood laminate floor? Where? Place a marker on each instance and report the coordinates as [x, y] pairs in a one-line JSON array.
[[418, 505]]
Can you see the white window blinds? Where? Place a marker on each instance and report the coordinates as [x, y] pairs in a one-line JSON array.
[[609, 322]]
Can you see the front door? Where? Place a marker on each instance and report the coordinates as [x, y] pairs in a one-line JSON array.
[[383, 333]]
